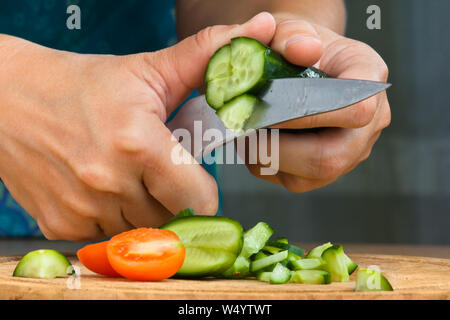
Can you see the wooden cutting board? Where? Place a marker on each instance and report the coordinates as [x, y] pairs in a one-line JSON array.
[[411, 277]]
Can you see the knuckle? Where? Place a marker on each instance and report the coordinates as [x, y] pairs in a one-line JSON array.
[[292, 183], [331, 167], [204, 37], [98, 177], [78, 205], [386, 119], [363, 113], [130, 143]]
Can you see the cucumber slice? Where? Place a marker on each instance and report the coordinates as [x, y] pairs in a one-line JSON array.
[[255, 239], [44, 264], [212, 244], [240, 268], [371, 280], [259, 255], [264, 276], [250, 65], [307, 264], [335, 263], [235, 113], [283, 240], [280, 274], [267, 261], [351, 265], [310, 277], [317, 251], [189, 212], [284, 246], [271, 250]]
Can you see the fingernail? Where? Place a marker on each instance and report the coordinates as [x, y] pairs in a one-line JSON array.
[[300, 37]]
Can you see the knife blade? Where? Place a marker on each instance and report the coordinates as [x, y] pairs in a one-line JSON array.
[[283, 100]]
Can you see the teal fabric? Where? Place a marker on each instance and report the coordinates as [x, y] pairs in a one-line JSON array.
[[107, 27]]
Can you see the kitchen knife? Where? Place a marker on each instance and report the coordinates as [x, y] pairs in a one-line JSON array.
[[283, 100]]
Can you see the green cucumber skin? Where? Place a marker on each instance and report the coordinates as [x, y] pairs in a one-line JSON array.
[[274, 67], [284, 246], [183, 228], [362, 277], [335, 263], [310, 277], [42, 264]]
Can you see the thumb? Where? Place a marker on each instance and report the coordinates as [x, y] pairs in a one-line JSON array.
[[183, 65], [298, 42]]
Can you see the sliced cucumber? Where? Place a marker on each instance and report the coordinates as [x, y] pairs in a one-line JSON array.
[[335, 263], [317, 251], [212, 244], [371, 280], [240, 268], [189, 212], [283, 240], [310, 277], [245, 67], [44, 264], [264, 276], [307, 264], [271, 250], [351, 265], [267, 261], [235, 113], [280, 274], [261, 254], [255, 239], [284, 246]]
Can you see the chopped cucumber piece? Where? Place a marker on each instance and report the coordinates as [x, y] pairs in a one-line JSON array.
[[255, 239], [267, 261], [293, 256], [271, 250], [212, 244], [240, 268], [280, 274], [264, 276], [259, 255], [317, 251], [307, 264], [310, 277], [235, 113], [351, 265], [44, 264], [283, 240], [371, 280], [335, 263], [244, 67], [284, 246]]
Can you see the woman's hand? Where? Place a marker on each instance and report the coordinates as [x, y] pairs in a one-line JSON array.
[[83, 145], [313, 160]]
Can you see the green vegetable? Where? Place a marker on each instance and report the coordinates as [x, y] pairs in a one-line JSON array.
[[317, 251], [240, 268], [255, 239], [284, 246], [280, 274], [245, 66], [45, 264], [351, 265], [335, 263], [257, 265], [212, 244], [264, 276], [371, 280], [310, 277], [307, 264], [235, 113]]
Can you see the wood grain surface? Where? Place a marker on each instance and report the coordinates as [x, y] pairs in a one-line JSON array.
[[411, 277]]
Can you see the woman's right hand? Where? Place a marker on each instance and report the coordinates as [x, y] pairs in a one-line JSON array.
[[83, 145]]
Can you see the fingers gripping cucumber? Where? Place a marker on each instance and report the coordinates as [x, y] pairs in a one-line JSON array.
[[244, 66]]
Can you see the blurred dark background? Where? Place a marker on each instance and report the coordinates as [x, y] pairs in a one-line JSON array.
[[401, 194]]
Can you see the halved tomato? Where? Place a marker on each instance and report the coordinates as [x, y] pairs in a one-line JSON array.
[[93, 257], [146, 254]]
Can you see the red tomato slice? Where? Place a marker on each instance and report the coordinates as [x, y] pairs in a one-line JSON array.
[[146, 254], [93, 257]]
